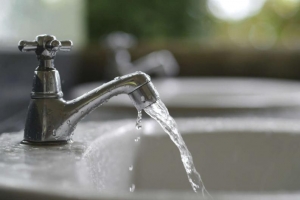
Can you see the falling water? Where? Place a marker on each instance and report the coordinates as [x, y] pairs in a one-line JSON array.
[[130, 168], [138, 124], [132, 188], [159, 112]]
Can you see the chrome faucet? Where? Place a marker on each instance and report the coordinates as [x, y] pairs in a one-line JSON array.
[[160, 63], [50, 118]]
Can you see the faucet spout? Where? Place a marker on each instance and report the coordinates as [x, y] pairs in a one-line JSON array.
[[60, 125], [137, 85]]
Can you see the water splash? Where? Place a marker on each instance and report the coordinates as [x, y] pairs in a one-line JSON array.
[[138, 124], [137, 139], [159, 112], [132, 188], [131, 168]]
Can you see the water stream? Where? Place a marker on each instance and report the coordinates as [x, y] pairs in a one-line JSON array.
[[138, 124], [159, 112]]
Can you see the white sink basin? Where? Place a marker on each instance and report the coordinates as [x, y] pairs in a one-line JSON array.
[[237, 158]]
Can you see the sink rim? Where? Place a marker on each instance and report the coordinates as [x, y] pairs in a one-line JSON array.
[[12, 192], [225, 125]]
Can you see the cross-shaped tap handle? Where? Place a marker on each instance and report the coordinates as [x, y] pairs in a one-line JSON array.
[[45, 46]]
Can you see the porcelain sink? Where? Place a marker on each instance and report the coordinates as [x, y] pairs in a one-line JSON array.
[[190, 97], [237, 159]]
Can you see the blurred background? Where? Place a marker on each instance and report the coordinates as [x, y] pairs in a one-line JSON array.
[[219, 38]]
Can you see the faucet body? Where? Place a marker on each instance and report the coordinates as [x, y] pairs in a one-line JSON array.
[[51, 119], [159, 63]]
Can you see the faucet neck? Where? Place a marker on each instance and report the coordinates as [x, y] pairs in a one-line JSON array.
[[46, 83], [46, 65]]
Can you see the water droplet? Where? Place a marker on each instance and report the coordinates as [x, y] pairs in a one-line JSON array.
[[131, 168], [117, 78], [132, 188], [138, 124], [71, 136], [143, 99], [54, 132], [137, 139]]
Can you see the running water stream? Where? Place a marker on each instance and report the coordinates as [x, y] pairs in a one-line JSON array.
[[159, 112]]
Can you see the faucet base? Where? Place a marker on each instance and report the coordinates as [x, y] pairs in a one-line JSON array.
[[59, 142]]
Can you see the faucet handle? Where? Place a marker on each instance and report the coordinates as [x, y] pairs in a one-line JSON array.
[[45, 46], [26, 46], [66, 45], [55, 45]]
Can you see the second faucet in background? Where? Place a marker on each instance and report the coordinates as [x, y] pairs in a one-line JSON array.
[[158, 63]]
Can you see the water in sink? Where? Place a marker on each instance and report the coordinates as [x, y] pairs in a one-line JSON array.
[[159, 112]]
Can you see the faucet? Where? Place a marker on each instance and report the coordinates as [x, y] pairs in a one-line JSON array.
[[50, 118], [160, 63]]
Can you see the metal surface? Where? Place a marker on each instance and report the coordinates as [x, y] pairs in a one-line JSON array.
[[45, 47], [160, 63], [51, 119]]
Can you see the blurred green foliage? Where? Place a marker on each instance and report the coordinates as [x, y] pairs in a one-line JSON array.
[[276, 23], [155, 19]]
